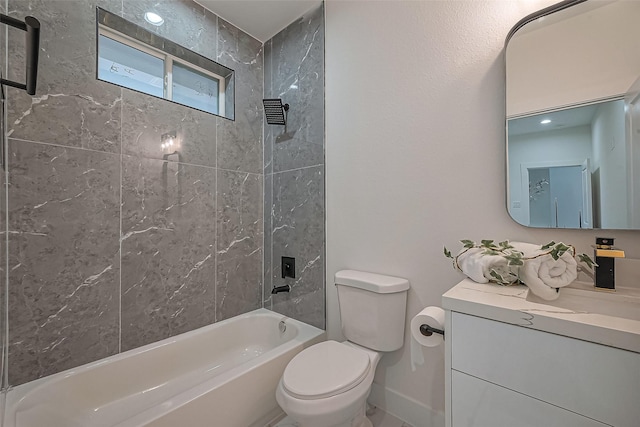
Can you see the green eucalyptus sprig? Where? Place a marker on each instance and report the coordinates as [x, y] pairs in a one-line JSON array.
[[514, 257], [558, 249]]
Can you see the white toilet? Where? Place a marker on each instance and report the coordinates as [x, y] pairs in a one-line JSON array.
[[327, 384]]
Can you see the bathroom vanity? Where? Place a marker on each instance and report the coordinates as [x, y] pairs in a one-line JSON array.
[[515, 360]]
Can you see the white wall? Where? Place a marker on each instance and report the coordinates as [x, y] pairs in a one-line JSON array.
[[415, 158], [572, 61], [560, 146], [610, 156]]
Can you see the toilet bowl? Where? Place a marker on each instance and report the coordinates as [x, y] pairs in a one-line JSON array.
[[327, 384]]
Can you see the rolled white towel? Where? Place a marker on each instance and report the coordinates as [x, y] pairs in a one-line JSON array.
[[478, 266], [543, 274]]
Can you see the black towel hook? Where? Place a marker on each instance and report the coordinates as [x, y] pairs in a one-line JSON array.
[[32, 28]]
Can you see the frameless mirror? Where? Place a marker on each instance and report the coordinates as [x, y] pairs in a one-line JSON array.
[[132, 57], [573, 116]]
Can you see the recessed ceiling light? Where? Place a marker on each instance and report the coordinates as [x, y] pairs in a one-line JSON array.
[[545, 121], [153, 18]]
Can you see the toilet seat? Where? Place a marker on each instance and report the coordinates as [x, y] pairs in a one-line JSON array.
[[324, 370]]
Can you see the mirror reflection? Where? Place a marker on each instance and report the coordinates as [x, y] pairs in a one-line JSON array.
[[573, 133]]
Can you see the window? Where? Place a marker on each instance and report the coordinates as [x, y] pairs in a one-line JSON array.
[[167, 70], [129, 67], [197, 89]]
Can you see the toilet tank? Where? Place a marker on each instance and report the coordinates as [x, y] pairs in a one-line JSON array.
[[372, 308]]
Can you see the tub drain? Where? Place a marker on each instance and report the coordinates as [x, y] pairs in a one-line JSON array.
[[282, 326]]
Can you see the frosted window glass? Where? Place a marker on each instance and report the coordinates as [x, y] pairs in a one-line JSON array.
[[129, 67], [195, 89]]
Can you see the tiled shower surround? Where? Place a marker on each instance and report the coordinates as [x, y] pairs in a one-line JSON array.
[[294, 169], [114, 243], [3, 217]]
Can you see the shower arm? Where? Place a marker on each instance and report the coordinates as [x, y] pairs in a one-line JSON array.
[[32, 28]]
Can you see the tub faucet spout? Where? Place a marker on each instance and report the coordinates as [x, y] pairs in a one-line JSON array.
[[278, 289]]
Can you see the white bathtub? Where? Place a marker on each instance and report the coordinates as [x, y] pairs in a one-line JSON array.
[[222, 375]]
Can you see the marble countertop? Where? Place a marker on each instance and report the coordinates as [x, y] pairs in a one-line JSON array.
[[611, 319]]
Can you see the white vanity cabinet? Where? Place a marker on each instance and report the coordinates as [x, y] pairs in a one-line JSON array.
[[500, 374]]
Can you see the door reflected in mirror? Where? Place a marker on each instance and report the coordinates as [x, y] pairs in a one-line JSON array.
[[573, 119]]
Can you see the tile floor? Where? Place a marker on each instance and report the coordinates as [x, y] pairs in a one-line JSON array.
[[378, 417]]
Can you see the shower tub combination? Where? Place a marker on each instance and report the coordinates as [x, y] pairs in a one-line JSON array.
[[223, 374]]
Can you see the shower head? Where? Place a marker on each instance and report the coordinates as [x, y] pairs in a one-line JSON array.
[[274, 110]]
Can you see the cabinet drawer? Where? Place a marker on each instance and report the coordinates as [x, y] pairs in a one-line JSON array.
[[477, 403], [599, 382]]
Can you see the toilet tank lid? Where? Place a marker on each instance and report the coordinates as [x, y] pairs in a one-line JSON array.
[[373, 282]]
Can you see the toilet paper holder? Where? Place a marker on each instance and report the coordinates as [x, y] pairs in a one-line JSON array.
[[427, 330]]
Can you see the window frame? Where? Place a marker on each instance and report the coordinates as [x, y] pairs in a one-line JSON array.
[[168, 61]]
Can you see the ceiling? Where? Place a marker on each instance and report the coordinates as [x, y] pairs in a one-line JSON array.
[[262, 19], [570, 117]]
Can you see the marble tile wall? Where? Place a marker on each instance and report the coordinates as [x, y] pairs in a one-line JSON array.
[[3, 214], [114, 243], [294, 169]]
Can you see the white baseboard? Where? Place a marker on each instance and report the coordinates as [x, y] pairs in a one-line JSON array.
[[405, 408]]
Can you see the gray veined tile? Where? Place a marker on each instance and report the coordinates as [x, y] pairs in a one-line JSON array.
[[240, 141], [3, 271], [185, 23], [298, 231], [268, 93], [146, 119], [298, 50], [64, 270], [268, 67], [3, 234], [237, 49], [168, 249], [3, 57], [240, 251], [294, 204], [70, 107], [268, 242], [269, 131], [308, 307], [297, 76]]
